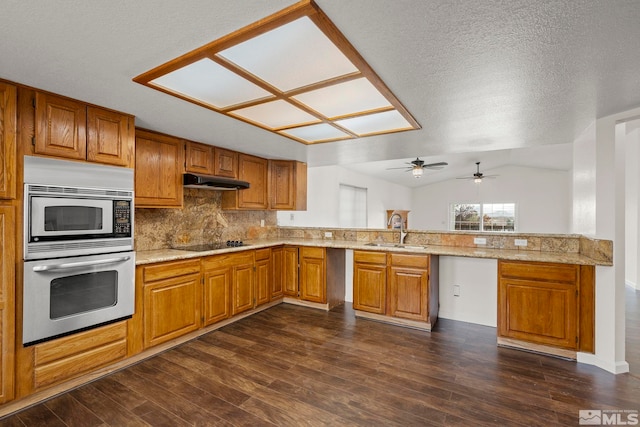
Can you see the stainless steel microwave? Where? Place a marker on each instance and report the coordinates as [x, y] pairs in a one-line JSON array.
[[63, 220]]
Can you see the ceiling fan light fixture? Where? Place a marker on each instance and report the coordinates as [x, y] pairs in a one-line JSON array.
[[417, 172], [477, 180]]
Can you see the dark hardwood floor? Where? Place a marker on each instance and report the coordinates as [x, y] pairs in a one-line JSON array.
[[291, 365]]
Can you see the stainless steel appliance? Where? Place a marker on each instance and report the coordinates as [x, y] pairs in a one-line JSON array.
[[79, 264], [64, 295], [74, 208]]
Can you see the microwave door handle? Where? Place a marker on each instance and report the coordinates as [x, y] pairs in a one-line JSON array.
[[69, 265]]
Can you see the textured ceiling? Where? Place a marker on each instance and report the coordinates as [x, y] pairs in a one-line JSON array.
[[477, 75]]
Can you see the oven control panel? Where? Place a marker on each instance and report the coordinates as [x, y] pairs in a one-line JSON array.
[[122, 217]]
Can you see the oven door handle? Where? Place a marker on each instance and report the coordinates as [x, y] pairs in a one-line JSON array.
[[69, 265]]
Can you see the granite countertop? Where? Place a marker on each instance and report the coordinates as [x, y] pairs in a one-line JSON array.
[[163, 255]]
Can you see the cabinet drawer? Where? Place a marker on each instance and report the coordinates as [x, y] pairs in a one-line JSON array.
[[541, 271], [370, 257], [70, 356], [308, 252], [170, 269], [263, 254], [416, 261]]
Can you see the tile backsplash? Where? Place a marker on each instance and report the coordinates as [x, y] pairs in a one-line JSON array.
[[200, 220]]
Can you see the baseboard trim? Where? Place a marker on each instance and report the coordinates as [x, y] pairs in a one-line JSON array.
[[407, 323], [537, 348], [620, 367]]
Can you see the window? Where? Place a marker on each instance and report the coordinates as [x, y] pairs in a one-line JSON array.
[[483, 216], [353, 207]]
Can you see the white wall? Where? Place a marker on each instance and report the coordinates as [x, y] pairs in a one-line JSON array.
[[478, 281], [632, 193], [323, 191], [542, 196]]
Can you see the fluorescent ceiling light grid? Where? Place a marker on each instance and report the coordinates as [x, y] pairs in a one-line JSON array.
[[389, 121], [350, 97], [275, 114], [291, 56], [319, 132], [208, 82]]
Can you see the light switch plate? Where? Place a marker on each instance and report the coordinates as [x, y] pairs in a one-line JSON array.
[[328, 234], [479, 241]]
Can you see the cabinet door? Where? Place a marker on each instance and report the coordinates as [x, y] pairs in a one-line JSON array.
[[287, 185], [8, 157], [243, 297], [290, 271], [370, 288], [538, 312], [255, 171], [217, 294], [313, 282], [277, 272], [7, 303], [408, 293], [225, 163], [282, 188], [263, 281], [171, 308], [199, 158], [61, 127], [110, 137], [158, 172]]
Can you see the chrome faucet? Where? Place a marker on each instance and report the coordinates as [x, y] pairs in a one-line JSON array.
[[403, 233]]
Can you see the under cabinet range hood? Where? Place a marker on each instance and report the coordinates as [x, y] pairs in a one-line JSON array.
[[209, 182]]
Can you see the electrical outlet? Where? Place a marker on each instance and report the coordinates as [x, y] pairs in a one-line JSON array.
[[262, 223], [328, 234], [520, 242], [456, 290], [479, 241], [291, 217]]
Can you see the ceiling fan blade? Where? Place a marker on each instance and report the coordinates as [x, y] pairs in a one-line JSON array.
[[404, 167], [467, 177], [438, 165]]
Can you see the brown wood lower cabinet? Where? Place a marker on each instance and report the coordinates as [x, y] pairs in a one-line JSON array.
[[242, 282], [217, 277], [546, 304], [263, 276], [370, 281], [172, 298], [68, 357], [313, 283], [399, 288]]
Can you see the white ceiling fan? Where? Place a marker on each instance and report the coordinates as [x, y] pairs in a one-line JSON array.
[[417, 167], [478, 176]]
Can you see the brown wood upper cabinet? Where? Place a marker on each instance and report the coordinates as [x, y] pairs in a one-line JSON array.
[[8, 123], [72, 129], [546, 303], [209, 160], [158, 172], [255, 171], [287, 185]]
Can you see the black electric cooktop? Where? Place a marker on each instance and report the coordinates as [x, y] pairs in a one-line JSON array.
[[211, 246]]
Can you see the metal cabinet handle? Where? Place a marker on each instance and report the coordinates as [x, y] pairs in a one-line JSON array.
[[70, 265]]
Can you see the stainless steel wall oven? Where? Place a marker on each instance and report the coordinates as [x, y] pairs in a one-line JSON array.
[[79, 264]]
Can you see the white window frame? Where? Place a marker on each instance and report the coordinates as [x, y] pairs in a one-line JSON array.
[[452, 216]]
